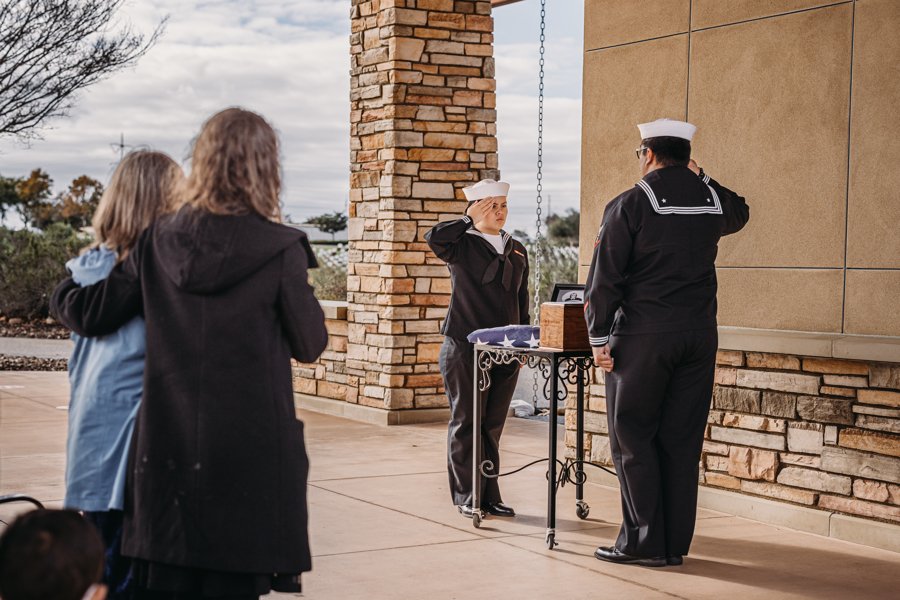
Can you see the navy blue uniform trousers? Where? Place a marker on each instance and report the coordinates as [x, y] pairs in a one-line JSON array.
[[658, 398], [456, 361]]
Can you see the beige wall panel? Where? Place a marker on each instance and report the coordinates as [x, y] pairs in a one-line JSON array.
[[623, 86], [582, 273], [794, 299], [771, 100], [874, 208], [872, 303], [612, 22], [710, 13]]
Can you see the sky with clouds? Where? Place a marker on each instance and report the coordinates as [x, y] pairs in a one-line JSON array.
[[289, 60]]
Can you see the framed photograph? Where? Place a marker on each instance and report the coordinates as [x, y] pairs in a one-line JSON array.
[[570, 293]]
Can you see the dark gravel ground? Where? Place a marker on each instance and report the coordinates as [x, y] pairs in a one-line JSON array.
[[30, 363], [35, 329], [32, 329]]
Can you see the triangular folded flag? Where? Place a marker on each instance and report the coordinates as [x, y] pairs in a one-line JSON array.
[[511, 336]]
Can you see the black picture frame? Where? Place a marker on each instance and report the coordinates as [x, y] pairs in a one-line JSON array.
[[568, 293]]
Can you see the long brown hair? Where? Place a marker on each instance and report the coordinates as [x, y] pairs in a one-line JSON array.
[[234, 167], [140, 190]]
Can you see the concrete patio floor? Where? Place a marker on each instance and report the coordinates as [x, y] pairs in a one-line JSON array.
[[382, 527]]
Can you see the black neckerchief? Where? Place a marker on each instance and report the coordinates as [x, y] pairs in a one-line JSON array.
[[490, 272]]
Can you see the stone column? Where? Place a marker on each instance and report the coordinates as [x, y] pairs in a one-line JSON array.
[[422, 127]]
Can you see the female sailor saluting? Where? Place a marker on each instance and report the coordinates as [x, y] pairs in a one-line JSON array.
[[489, 278]]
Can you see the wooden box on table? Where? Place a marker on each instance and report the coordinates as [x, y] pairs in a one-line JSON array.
[[563, 326]]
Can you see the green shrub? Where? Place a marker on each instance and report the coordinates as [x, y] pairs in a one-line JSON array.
[[31, 264], [559, 264], [329, 282], [330, 279]]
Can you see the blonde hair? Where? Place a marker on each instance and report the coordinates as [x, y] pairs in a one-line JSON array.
[[234, 167], [141, 189]]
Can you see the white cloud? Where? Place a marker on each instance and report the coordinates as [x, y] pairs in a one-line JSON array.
[[516, 39], [289, 60], [288, 64]]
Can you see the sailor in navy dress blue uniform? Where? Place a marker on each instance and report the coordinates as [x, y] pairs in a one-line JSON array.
[[489, 278], [650, 306]]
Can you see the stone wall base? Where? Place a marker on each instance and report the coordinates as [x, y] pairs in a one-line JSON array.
[[368, 414], [781, 514], [810, 520], [805, 432]]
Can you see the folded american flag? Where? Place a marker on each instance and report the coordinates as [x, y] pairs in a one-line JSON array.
[[511, 336]]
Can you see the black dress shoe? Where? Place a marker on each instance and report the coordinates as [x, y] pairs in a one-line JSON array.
[[614, 555], [498, 509], [465, 510], [674, 560]]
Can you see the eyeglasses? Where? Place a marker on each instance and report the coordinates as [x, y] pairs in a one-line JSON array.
[[639, 151]]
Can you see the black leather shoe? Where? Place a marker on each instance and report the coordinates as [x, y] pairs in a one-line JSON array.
[[674, 560], [614, 555], [498, 509], [465, 510]]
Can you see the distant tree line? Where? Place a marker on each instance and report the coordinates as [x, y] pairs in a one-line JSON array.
[[32, 258], [560, 230], [32, 199], [329, 222]]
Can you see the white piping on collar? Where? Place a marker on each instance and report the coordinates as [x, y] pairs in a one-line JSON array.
[[505, 237], [715, 209]]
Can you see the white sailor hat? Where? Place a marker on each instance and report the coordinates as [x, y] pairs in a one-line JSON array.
[[667, 128], [486, 188]]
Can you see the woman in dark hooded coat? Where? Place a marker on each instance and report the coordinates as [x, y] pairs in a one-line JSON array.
[[216, 488]]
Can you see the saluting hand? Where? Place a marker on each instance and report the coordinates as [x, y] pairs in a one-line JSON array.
[[603, 357], [480, 209]]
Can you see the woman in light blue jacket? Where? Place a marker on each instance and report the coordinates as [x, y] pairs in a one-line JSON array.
[[106, 372]]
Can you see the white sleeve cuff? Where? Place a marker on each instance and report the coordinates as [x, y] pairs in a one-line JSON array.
[[598, 341]]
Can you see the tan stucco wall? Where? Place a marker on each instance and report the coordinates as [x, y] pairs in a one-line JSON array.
[[795, 101]]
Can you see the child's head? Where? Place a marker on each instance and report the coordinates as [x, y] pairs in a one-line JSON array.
[[50, 554], [493, 194], [141, 189], [235, 168]]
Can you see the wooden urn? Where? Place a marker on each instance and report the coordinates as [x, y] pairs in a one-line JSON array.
[[563, 326]]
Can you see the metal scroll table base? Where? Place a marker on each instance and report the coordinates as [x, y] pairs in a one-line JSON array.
[[567, 367]]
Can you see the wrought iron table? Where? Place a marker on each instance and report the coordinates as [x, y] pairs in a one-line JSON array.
[[567, 367]]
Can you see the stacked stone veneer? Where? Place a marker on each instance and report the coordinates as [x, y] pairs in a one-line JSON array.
[[328, 377], [422, 127], [818, 432]]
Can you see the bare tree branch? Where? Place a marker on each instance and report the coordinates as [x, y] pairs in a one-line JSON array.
[[51, 49]]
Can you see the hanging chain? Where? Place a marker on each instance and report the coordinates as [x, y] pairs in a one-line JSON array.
[[538, 239], [538, 244]]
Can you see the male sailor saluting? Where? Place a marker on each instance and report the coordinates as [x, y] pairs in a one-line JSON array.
[[650, 306]]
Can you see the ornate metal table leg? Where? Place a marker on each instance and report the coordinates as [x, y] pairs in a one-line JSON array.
[[581, 507], [476, 444], [551, 467]]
